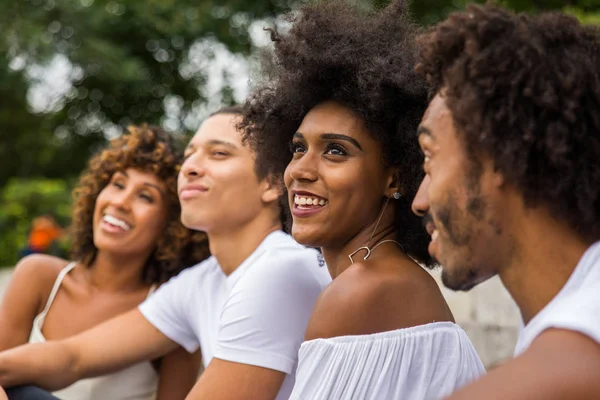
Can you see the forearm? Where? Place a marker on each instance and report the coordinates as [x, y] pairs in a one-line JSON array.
[[49, 365]]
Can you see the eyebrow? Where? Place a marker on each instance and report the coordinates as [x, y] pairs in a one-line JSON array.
[[214, 142], [217, 142], [333, 136], [424, 131]]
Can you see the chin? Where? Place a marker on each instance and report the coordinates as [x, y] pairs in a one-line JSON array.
[[306, 237], [191, 221]]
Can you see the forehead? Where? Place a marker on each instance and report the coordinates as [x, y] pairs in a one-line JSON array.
[[219, 127], [142, 177], [437, 114], [332, 117]]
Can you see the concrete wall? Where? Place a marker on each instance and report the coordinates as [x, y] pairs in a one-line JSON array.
[[487, 313], [489, 316]]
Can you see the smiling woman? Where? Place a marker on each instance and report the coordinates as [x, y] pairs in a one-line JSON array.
[[340, 90], [127, 239]]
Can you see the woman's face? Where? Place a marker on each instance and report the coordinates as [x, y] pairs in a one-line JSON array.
[[336, 180], [131, 213]]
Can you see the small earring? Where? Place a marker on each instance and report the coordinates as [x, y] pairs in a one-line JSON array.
[[396, 195]]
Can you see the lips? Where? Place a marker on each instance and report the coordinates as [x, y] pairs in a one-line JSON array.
[[306, 203], [191, 190]]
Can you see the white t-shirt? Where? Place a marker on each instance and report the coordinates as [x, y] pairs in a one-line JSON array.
[[257, 315], [576, 307]]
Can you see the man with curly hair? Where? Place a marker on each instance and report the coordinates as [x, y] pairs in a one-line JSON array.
[[246, 307], [512, 159]]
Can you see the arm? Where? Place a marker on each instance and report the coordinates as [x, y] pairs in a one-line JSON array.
[[29, 286], [3, 394], [225, 380], [560, 364], [111, 346], [178, 374]]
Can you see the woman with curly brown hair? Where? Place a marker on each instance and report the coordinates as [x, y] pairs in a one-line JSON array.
[[340, 90], [127, 239]]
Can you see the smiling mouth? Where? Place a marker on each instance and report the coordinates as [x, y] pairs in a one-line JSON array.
[[116, 222], [308, 202]]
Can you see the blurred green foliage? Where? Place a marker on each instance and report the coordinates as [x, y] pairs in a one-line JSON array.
[[127, 61], [23, 200]]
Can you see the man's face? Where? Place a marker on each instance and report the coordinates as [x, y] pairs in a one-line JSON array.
[[218, 187], [460, 202]]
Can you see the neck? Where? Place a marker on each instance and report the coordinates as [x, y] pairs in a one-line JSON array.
[[336, 256], [232, 246], [545, 258], [116, 273]]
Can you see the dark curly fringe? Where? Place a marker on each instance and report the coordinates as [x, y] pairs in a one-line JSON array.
[[363, 60], [525, 90], [148, 149]]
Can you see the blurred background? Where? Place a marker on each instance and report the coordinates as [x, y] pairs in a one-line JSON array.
[[74, 73]]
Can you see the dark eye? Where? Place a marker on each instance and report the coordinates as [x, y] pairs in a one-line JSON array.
[[147, 197], [297, 147], [219, 154], [335, 149], [118, 185]]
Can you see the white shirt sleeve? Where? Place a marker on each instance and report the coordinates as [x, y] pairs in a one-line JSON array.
[[166, 310], [265, 318]]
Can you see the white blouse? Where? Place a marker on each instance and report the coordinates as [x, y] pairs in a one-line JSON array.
[[422, 362]]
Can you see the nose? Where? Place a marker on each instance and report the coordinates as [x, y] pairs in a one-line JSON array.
[[122, 200], [301, 170], [420, 204], [192, 167]]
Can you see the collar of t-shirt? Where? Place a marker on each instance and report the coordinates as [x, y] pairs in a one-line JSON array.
[[273, 239], [589, 260]]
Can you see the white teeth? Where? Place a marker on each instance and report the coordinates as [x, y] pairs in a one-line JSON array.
[[116, 222], [434, 234], [309, 201]]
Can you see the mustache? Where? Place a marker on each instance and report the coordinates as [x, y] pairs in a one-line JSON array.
[[427, 219]]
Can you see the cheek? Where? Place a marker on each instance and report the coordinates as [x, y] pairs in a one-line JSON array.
[[153, 219], [287, 177]]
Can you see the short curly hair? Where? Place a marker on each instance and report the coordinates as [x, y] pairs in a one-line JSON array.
[[525, 91], [361, 59], [148, 149]]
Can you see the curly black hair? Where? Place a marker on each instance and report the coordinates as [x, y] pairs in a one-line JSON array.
[[525, 91], [149, 149], [361, 59]]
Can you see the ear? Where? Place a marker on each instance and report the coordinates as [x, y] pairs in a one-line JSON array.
[[392, 182], [498, 177], [271, 189]]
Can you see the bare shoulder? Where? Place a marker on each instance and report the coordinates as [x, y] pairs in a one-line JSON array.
[[559, 364], [38, 271], [39, 267], [367, 299]]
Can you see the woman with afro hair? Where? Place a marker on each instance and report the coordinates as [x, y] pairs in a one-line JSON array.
[[127, 239], [341, 93]]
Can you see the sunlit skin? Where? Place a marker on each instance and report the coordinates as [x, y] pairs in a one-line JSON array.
[[138, 199], [457, 198], [336, 159], [482, 227], [337, 164], [220, 193]]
